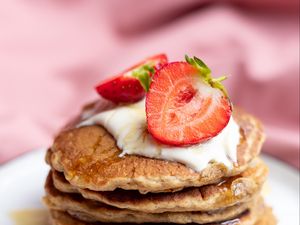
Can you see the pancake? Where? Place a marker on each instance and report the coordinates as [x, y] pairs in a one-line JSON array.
[[63, 218], [241, 188], [93, 211], [89, 158]]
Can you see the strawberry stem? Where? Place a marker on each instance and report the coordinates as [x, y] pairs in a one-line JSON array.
[[205, 74], [219, 79]]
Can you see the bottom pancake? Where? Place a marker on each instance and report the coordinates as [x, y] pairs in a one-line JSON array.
[[91, 211], [63, 218]]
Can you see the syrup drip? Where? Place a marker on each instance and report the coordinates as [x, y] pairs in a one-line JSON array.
[[30, 217]]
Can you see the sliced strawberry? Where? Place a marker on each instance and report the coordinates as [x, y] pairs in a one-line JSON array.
[[183, 107], [130, 85]]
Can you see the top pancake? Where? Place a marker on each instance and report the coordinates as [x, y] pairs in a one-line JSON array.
[[89, 158]]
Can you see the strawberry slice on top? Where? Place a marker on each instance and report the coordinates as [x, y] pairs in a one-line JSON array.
[[185, 105], [130, 86]]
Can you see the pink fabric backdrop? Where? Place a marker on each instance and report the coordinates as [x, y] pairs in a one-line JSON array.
[[53, 52]]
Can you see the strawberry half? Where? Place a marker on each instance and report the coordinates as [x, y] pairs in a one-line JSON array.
[[130, 85], [185, 105]]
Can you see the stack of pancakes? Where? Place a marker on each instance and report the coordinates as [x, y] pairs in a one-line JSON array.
[[90, 184]]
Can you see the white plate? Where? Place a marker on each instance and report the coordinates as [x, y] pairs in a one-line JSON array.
[[22, 180]]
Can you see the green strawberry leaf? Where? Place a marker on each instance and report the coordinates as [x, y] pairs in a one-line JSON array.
[[205, 74], [200, 62], [142, 73]]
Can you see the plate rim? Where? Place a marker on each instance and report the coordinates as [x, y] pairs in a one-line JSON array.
[[10, 163], [281, 165]]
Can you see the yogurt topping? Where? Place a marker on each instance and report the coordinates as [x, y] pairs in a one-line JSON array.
[[128, 125]]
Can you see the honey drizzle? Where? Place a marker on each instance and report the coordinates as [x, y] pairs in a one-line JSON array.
[[30, 217]]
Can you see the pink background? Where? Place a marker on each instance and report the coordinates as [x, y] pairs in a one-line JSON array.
[[52, 53]]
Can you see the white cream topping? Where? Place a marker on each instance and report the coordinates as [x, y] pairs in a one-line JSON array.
[[128, 125]]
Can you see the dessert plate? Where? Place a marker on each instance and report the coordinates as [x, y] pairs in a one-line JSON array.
[[22, 180]]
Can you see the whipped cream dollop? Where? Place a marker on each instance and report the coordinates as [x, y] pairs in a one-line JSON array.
[[128, 125]]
